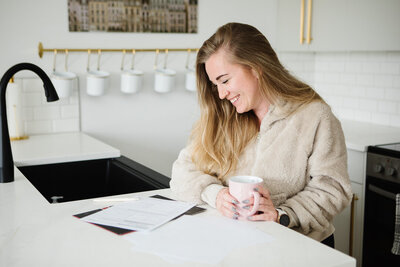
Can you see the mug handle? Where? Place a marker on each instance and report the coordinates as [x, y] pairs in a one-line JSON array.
[[256, 204]]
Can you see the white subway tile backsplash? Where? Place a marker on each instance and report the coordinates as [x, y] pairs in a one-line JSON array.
[[358, 85], [392, 94], [383, 80], [380, 118], [347, 78], [390, 68], [70, 111], [367, 105], [46, 112], [365, 79], [387, 107], [27, 114], [41, 117], [66, 125], [370, 68], [362, 115], [396, 81], [394, 120], [375, 93], [38, 127], [353, 67], [348, 102], [31, 85], [31, 99]]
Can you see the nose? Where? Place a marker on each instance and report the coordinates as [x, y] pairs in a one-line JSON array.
[[222, 92]]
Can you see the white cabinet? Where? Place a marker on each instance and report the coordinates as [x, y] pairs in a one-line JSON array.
[[349, 223], [340, 25]]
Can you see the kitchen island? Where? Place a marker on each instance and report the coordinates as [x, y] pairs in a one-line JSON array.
[[34, 232]]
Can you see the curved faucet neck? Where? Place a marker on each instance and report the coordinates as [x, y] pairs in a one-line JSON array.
[[6, 159]]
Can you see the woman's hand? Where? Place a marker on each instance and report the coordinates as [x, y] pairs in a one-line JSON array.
[[266, 210], [226, 204]]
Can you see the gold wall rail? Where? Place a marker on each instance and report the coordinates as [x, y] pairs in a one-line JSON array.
[[41, 49]]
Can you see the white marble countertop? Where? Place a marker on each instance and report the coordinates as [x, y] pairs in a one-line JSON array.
[[360, 135], [36, 233], [61, 147]]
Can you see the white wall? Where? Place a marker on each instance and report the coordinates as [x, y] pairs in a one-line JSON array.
[[147, 127]]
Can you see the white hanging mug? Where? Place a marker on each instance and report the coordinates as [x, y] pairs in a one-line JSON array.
[[97, 82], [131, 81], [63, 82], [164, 80]]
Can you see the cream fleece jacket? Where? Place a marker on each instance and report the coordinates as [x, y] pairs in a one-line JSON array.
[[302, 158]]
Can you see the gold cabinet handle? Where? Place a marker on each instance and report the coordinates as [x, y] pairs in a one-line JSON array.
[[302, 22], [309, 13], [351, 237]]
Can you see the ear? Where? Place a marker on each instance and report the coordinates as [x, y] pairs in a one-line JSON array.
[[255, 73]]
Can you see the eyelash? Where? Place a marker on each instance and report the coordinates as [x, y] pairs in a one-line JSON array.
[[225, 82]]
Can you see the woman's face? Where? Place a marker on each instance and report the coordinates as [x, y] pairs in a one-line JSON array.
[[236, 83]]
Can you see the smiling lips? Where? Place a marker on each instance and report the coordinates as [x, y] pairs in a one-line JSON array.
[[233, 100]]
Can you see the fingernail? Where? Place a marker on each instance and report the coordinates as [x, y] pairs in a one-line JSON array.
[[246, 207], [233, 209], [255, 189], [235, 202], [245, 201], [235, 216]]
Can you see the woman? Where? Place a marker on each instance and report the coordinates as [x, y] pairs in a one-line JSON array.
[[257, 119]]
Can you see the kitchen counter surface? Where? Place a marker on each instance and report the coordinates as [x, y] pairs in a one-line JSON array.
[[360, 135], [34, 232], [62, 147]]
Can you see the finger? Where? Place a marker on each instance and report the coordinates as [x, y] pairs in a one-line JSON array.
[[230, 213], [262, 201], [230, 206], [263, 190], [269, 215], [229, 198]]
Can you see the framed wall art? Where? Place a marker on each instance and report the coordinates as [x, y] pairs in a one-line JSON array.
[[158, 16]]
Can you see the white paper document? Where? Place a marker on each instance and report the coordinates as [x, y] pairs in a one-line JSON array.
[[141, 215], [198, 239]]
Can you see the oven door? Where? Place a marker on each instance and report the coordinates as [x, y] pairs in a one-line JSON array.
[[379, 222]]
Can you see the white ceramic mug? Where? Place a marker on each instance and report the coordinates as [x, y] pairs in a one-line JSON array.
[[97, 82], [131, 81], [64, 82], [242, 188], [164, 80], [190, 80]]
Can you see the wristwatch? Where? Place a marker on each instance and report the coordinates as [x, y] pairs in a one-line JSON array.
[[283, 218]]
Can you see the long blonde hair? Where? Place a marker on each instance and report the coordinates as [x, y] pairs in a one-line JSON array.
[[221, 134]]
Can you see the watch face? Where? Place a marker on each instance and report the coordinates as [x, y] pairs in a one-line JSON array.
[[284, 220]]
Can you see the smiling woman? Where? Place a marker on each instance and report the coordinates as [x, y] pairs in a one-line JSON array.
[[257, 119]]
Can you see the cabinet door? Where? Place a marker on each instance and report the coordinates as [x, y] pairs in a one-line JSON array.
[[328, 23], [343, 224], [341, 25], [358, 190], [374, 25]]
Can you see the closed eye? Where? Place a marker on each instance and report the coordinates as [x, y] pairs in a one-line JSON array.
[[225, 82]]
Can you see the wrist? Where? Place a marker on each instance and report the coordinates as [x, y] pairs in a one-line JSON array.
[[283, 217]]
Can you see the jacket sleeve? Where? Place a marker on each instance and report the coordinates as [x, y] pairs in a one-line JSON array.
[[328, 190], [189, 184]]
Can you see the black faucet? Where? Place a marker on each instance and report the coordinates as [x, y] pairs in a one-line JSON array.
[[6, 159]]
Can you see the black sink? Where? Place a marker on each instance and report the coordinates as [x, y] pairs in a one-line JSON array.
[[93, 178]]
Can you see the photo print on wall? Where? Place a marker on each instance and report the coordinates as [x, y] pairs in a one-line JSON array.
[[158, 16]]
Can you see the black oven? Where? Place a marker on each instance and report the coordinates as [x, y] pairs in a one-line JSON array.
[[382, 185]]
